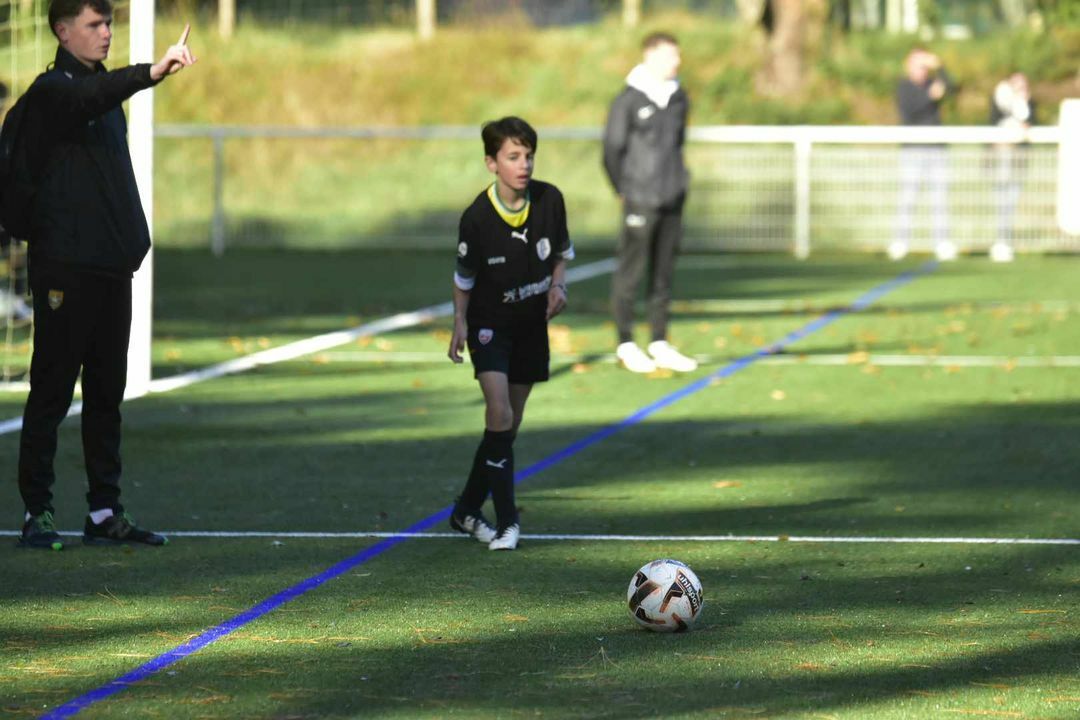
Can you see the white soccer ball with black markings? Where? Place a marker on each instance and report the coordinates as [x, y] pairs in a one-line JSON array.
[[665, 596]]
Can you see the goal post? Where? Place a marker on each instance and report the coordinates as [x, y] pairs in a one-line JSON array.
[[141, 143], [1068, 187]]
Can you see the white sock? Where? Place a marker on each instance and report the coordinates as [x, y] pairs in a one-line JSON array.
[[99, 516]]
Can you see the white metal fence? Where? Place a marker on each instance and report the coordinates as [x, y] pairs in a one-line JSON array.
[[797, 189]]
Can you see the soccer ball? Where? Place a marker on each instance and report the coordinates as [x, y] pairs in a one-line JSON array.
[[665, 596]]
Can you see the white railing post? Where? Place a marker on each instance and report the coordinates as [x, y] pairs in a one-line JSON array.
[[217, 220], [802, 196]]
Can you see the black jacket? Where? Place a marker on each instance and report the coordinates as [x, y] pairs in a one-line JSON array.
[[914, 104], [87, 214], [643, 148]]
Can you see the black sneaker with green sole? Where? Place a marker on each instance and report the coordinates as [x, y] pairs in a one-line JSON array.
[[119, 529], [39, 533]]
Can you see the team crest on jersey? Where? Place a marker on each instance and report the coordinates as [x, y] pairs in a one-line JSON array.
[[485, 335], [462, 249], [56, 299], [543, 248], [646, 112]]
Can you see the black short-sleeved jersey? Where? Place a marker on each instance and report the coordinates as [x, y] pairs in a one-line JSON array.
[[507, 268]]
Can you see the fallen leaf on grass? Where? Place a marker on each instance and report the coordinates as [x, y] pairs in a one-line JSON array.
[[778, 395], [858, 358], [809, 666], [1039, 612], [560, 338], [720, 484], [515, 618]]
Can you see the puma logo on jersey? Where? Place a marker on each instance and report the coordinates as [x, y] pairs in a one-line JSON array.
[[523, 236], [501, 464]]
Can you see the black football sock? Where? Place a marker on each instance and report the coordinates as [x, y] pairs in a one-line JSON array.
[[476, 487], [499, 468]]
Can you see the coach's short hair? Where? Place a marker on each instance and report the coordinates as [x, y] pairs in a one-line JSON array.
[[496, 132], [658, 38], [67, 9]]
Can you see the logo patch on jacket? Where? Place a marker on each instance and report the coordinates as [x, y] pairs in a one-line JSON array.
[[543, 248], [485, 335], [635, 221], [644, 113], [56, 299]]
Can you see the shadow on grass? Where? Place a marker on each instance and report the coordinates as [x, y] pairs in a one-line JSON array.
[[380, 641]]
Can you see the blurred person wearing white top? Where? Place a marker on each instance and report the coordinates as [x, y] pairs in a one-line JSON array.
[[1011, 107]]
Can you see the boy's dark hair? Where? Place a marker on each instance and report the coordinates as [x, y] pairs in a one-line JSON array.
[[66, 9], [496, 132], [658, 38]]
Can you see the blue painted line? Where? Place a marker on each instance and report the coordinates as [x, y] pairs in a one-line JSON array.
[[273, 602]]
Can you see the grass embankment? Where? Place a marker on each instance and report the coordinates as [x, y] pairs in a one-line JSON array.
[[347, 193], [334, 193]]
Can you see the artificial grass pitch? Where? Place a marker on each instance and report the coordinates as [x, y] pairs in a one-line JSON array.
[[443, 627]]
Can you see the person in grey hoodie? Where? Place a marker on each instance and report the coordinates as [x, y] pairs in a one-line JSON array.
[[643, 158]]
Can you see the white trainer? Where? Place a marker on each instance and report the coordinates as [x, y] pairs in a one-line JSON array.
[[897, 250], [1001, 252], [474, 524], [669, 358], [946, 251], [634, 358], [507, 539]]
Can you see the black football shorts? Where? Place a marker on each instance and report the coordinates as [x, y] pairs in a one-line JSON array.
[[521, 353]]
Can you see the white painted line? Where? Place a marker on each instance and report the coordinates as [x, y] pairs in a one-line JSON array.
[[315, 344], [616, 538], [1002, 361]]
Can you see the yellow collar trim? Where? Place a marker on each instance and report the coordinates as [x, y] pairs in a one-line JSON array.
[[513, 218]]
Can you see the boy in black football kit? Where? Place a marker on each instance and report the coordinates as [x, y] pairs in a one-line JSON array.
[[510, 281]]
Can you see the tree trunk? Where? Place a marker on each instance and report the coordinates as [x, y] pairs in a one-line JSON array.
[[794, 28]]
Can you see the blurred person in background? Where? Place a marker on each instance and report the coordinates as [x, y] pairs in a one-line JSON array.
[[643, 158], [1011, 107], [918, 101]]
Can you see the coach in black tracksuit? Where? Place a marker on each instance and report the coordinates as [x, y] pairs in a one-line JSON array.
[[88, 236], [643, 158]]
